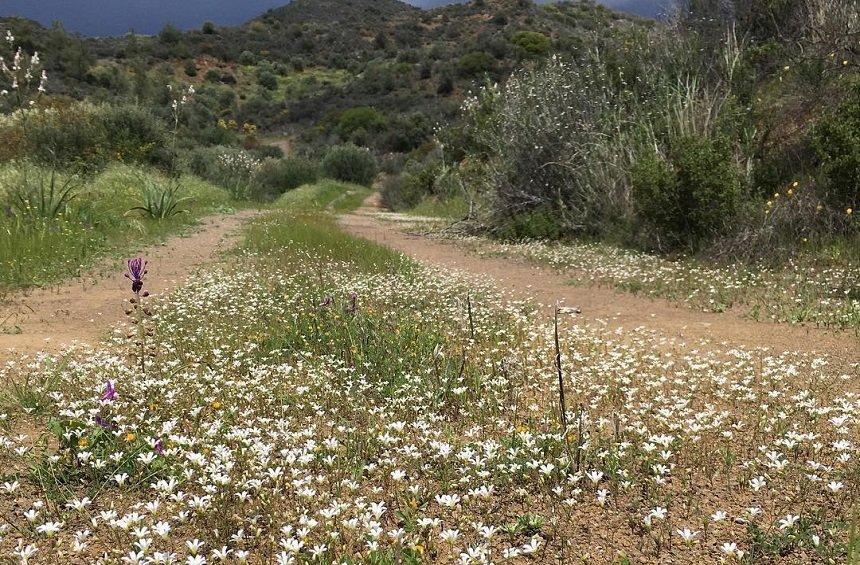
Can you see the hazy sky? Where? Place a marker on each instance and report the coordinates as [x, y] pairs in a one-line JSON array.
[[115, 17]]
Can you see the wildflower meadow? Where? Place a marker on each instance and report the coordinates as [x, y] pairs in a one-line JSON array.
[[299, 403]]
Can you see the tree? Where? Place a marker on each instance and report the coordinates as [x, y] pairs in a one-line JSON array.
[[170, 35]]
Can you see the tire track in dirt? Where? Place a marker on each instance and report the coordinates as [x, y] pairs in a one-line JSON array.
[[614, 309], [83, 309]]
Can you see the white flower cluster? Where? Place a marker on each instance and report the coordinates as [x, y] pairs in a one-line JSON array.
[[22, 76], [300, 410]]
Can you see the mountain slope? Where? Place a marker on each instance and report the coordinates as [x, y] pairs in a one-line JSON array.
[[339, 11], [301, 66]]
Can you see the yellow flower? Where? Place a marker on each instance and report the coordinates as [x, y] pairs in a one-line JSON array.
[[83, 442], [790, 191], [418, 548], [849, 211], [216, 405], [130, 436]]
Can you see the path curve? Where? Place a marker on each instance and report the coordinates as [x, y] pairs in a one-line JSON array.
[[82, 310], [601, 305]]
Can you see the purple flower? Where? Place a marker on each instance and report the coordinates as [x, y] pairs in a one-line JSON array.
[[159, 447], [110, 392], [105, 423], [135, 273], [326, 302]]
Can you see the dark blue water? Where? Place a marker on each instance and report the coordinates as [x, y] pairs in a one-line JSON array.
[[116, 17]]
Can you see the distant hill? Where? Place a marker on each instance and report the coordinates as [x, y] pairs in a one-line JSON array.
[[116, 17], [334, 11], [302, 66]]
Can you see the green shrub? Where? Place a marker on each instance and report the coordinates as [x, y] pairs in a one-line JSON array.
[[688, 195], [67, 135], [268, 80], [540, 223], [268, 152], [133, 133], [362, 117], [476, 63], [836, 139], [532, 43], [276, 176], [402, 192], [349, 163]]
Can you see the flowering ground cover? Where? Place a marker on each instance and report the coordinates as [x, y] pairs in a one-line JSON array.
[[320, 399], [800, 291]]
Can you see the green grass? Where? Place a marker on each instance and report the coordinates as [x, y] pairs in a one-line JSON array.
[[326, 194], [294, 232], [41, 251], [448, 208]]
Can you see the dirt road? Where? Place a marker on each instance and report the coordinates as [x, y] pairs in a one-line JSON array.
[[84, 309], [605, 306]]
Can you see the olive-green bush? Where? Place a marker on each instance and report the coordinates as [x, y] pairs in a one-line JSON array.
[[276, 176], [350, 163], [687, 195]]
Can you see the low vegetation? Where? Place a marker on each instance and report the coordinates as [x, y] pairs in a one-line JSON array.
[[798, 291], [54, 239], [415, 417]]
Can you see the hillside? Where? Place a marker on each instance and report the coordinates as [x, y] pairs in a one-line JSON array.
[[340, 11], [297, 68]]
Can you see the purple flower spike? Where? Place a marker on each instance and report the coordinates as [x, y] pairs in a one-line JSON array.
[[109, 393], [135, 273]]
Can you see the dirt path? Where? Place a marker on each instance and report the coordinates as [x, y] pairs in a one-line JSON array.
[[82, 310], [614, 308]]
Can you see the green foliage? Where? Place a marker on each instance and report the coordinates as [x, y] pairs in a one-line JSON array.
[[836, 139], [325, 195], [38, 194], [133, 133], [475, 64], [162, 200], [276, 176], [297, 231], [267, 80], [89, 136], [37, 251], [689, 194], [350, 163], [170, 35], [532, 43], [228, 167], [539, 223], [361, 118]]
